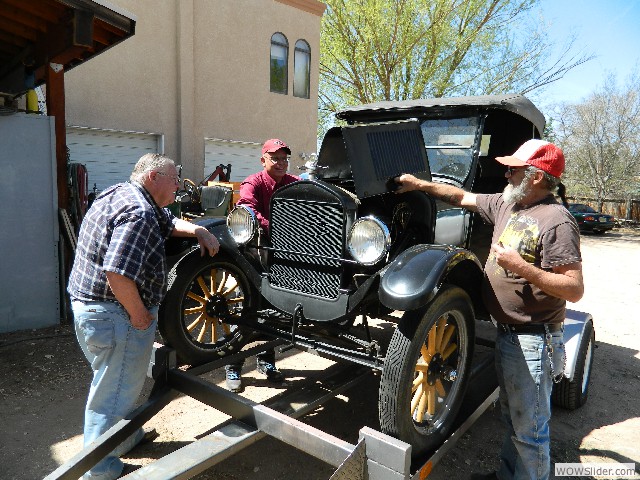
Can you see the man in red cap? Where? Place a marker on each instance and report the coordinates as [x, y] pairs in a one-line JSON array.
[[533, 269], [256, 192]]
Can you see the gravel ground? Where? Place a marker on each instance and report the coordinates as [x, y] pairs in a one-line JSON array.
[[44, 379]]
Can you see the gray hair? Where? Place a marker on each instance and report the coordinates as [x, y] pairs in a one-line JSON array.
[[147, 163], [550, 181]]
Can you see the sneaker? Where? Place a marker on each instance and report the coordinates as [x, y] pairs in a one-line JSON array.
[[269, 369], [234, 380]]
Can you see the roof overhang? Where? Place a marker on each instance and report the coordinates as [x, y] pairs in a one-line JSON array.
[[36, 33]]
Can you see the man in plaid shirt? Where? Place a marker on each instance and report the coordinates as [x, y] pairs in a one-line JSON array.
[[119, 278]]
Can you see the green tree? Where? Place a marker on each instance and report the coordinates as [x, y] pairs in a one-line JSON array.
[[600, 137], [373, 50]]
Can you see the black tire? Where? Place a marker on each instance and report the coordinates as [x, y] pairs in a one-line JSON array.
[[193, 317], [572, 394], [417, 408]]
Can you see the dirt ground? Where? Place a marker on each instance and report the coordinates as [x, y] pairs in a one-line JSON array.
[[44, 380]]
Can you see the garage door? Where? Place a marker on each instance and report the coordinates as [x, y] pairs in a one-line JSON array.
[[244, 157], [108, 154]]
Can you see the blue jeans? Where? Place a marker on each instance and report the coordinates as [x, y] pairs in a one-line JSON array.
[[119, 356], [524, 375]]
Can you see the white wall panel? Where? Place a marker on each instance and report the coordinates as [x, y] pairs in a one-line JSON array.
[[109, 154]]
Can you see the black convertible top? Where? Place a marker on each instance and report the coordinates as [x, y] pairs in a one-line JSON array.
[[515, 103]]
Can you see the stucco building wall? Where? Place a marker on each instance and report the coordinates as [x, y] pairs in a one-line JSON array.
[[199, 69]]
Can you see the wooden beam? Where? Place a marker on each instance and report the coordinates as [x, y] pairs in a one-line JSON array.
[[47, 10], [55, 108], [25, 18]]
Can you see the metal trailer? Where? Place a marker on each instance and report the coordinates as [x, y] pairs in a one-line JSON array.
[[376, 456]]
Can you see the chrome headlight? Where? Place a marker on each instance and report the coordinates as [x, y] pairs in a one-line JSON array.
[[242, 224], [369, 240]]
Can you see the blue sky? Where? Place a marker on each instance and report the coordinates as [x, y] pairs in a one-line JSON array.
[[610, 29]]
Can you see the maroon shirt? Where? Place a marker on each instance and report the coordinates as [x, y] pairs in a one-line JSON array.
[[256, 191], [545, 235]]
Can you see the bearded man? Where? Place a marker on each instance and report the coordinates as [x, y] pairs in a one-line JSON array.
[[533, 269]]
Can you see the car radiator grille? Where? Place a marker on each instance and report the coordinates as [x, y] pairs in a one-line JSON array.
[[307, 240]]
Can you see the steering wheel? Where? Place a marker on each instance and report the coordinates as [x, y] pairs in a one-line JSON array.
[[192, 190]]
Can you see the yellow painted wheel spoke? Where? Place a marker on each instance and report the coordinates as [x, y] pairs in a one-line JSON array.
[[421, 406], [195, 323], [226, 328], [416, 398], [440, 388], [425, 354], [422, 367], [232, 287], [217, 288], [431, 402], [191, 311], [448, 332], [449, 350], [431, 348], [204, 288], [417, 381], [236, 300], [203, 330], [197, 298], [214, 332]]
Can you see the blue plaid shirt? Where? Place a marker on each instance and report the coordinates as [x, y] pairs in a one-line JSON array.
[[123, 232]]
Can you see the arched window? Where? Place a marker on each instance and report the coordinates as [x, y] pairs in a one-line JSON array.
[[278, 65], [301, 69]]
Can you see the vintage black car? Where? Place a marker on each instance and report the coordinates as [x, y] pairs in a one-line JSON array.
[[344, 248]]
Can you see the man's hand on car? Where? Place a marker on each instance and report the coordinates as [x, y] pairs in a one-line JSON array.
[[208, 242]]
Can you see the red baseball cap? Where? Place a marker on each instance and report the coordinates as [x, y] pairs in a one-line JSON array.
[[273, 145], [538, 153]]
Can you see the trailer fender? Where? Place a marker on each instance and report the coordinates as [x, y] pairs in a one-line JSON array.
[[415, 276], [574, 329]]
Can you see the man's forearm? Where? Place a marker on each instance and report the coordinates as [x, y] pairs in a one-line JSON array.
[[564, 281], [568, 285], [126, 292], [447, 193], [208, 242]]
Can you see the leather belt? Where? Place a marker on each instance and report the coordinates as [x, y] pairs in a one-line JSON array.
[[529, 327]]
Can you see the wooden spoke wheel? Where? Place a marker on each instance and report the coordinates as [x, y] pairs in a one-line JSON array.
[[426, 370], [203, 301]]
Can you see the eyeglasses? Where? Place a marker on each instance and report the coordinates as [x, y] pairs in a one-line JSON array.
[[512, 170], [275, 160], [175, 178]]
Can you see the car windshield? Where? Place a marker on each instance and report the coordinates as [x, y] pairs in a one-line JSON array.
[[450, 145], [580, 208]]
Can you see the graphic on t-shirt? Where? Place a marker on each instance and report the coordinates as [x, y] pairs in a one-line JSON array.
[[520, 233]]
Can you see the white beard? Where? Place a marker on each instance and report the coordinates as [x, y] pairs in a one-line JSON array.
[[512, 194]]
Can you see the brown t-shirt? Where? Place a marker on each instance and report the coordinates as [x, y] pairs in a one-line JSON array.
[[544, 234]]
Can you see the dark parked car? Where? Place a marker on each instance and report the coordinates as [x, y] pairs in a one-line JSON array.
[[345, 248], [589, 220]]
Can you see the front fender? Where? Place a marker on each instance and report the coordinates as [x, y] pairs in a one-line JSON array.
[[415, 276], [177, 247], [228, 247]]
